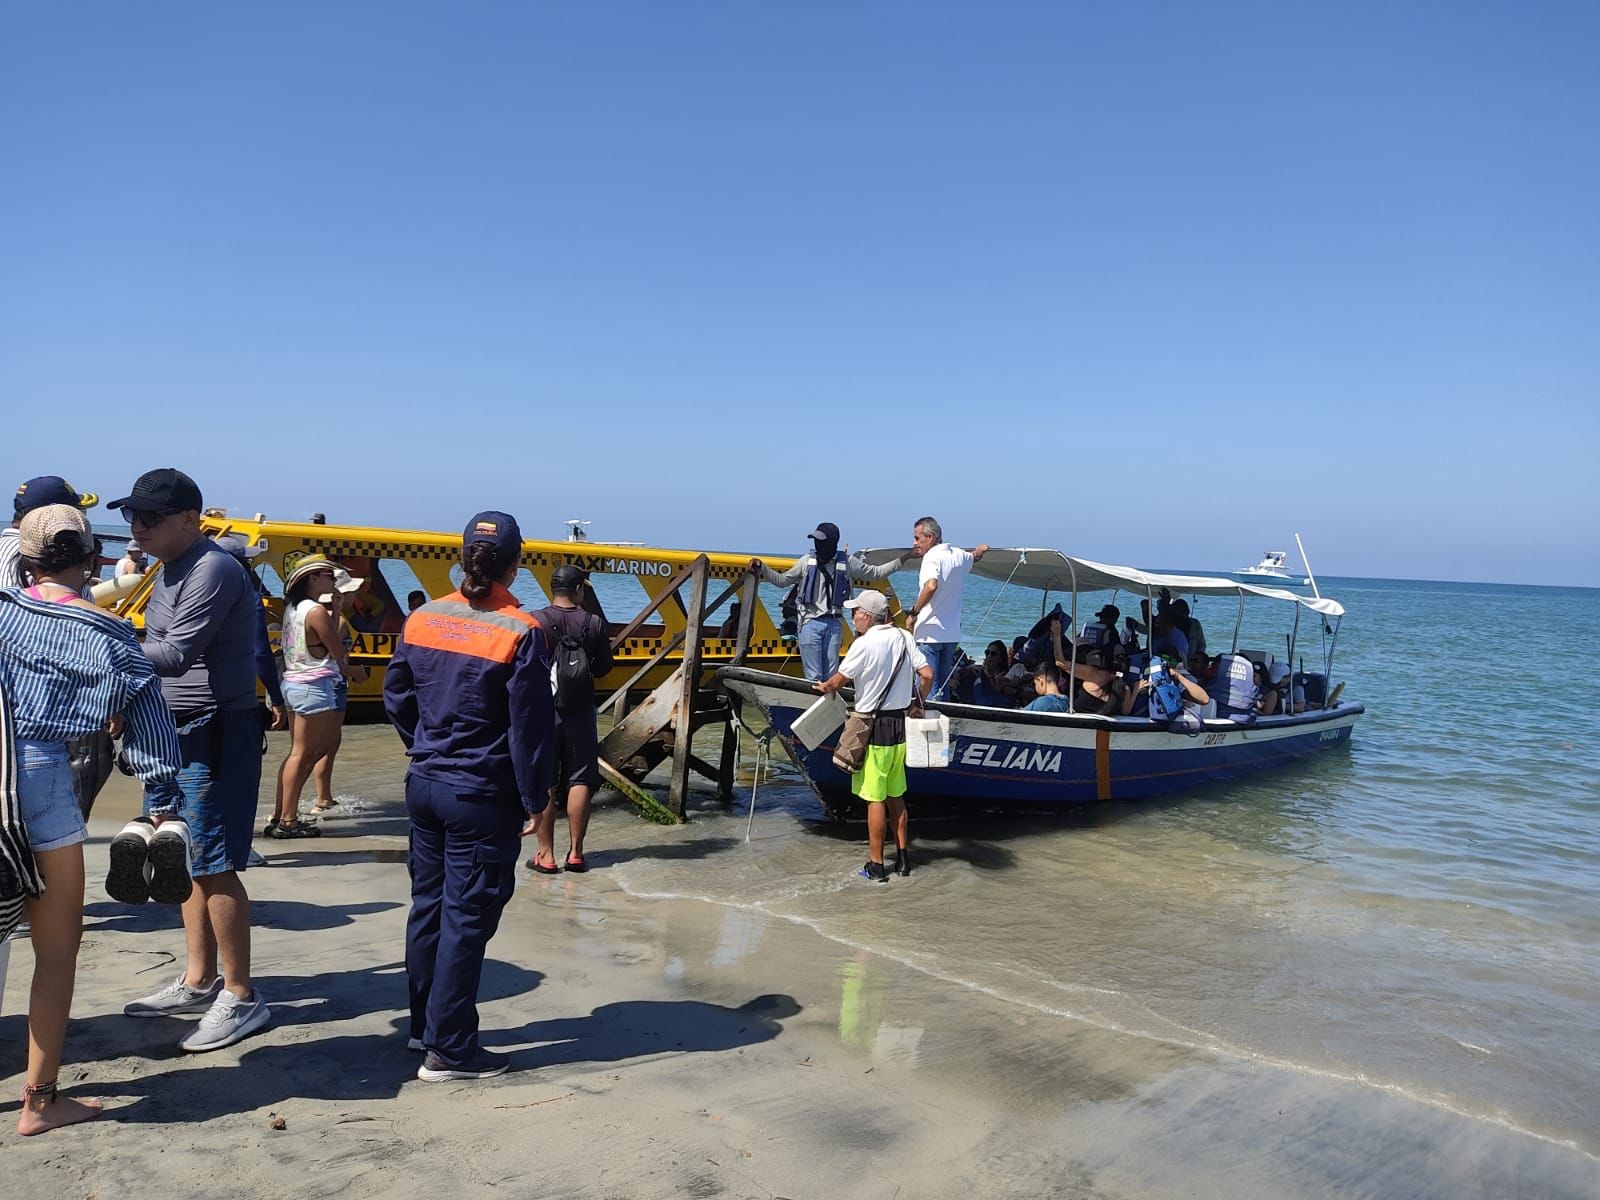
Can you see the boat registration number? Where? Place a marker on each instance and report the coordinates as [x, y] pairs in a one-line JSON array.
[[1216, 739]]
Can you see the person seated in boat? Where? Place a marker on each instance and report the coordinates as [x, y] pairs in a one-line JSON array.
[[1098, 686], [1195, 698], [992, 682], [1131, 629], [1047, 695], [1167, 640], [1189, 626], [961, 679], [1270, 703], [1101, 633], [1017, 643]]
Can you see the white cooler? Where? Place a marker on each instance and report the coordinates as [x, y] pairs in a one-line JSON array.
[[928, 741]]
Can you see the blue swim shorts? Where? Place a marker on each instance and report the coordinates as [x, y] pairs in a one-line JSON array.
[[221, 779], [45, 797]]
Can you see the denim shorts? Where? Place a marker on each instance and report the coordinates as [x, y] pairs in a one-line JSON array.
[[307, 698], [45, 797], [221, 779]]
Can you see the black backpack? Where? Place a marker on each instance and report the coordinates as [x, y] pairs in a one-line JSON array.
[[571, 678]]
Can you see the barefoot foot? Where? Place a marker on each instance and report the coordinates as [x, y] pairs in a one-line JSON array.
[[58, 1111]]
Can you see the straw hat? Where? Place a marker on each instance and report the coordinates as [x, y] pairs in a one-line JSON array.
[[307, 565]]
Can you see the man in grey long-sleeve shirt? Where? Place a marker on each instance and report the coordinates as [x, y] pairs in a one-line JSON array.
[[200, 628], [824, 574]]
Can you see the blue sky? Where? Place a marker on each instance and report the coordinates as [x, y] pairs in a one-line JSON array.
[[1159, 284]]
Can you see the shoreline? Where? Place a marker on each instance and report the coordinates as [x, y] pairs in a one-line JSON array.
[[670, 1045]]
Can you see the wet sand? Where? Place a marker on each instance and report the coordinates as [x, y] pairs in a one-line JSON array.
[[668, 1047]]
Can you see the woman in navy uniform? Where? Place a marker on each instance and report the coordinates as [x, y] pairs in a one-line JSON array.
[[468, 690]]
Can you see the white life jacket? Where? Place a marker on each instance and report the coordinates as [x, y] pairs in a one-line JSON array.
[[1234, 687]]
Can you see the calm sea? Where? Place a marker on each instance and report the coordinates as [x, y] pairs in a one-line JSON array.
[[1414, 914]]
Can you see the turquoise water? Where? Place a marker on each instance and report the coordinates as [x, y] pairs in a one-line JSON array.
[[1413, 915]]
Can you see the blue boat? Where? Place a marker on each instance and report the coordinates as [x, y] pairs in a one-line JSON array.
[[998, 758]]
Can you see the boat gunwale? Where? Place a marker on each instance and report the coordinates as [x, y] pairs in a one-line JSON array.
[[984, 714]]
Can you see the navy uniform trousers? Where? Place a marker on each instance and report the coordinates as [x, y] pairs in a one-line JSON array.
[[463, 862]]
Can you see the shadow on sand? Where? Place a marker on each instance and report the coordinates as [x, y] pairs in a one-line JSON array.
[[375, 1066]]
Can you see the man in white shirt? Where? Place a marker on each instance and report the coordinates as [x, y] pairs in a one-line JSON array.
[[882, 663], [935, 619], [133, 561]]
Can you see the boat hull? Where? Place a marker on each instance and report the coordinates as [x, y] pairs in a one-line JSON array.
[[1002, 758]]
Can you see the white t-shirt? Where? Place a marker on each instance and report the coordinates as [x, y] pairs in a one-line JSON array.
[[871, 660], [940, 619]]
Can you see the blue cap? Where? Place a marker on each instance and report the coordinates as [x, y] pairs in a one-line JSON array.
[[499, 530], [50, 489]]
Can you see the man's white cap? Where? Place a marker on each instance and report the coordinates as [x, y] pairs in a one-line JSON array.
[[868, 601], [345, 581], [1276, 672], [238, 544]]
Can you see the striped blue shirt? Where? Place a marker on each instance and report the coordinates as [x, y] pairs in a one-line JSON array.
[[67, 670]]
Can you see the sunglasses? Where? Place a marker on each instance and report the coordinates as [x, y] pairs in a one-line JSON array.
[[149, 518]]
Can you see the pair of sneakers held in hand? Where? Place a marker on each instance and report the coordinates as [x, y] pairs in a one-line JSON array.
[[150, 862]]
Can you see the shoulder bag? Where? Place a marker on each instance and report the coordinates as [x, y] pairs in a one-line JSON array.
[[19, 875]]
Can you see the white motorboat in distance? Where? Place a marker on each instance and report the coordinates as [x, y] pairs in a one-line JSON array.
[[1273, 566]]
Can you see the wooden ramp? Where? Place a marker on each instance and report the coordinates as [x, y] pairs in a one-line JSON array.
[[662, 723]]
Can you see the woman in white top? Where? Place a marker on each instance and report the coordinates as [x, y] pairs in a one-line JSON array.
[[314, 666]]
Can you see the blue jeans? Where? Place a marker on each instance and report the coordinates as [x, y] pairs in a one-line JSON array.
[[819, 647], [941, 657], [463, 862]]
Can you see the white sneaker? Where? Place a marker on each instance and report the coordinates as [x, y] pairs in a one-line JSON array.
[[176, 997], [227, 1021], [170, 860], [128, 878]]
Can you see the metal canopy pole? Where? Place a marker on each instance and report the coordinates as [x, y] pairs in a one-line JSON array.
[[1238, 623], [1072, 647]]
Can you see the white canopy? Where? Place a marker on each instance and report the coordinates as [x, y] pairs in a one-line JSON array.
[[1051, 570]]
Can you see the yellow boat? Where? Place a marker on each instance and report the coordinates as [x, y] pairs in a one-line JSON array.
[[394, 562]]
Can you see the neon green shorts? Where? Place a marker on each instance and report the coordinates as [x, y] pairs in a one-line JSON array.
[[882, 775]]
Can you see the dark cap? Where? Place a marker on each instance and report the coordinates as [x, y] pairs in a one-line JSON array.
[[500, 531], [1109, 614], [566, 577], [50, 489], [826, 531], [166, 489]]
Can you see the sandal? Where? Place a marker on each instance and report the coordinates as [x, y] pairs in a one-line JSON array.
[[577, 868], [535, 865], [294, 829]]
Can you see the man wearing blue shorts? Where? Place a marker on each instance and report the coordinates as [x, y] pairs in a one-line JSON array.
[[200, 627]]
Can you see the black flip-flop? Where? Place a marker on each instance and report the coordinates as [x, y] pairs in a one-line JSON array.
[[577, 868], [535, 865]]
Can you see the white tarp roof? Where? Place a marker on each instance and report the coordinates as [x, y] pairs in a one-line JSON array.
[[1051, 570]]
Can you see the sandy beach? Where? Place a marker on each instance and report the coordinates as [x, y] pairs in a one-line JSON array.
[[669, 1046]]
